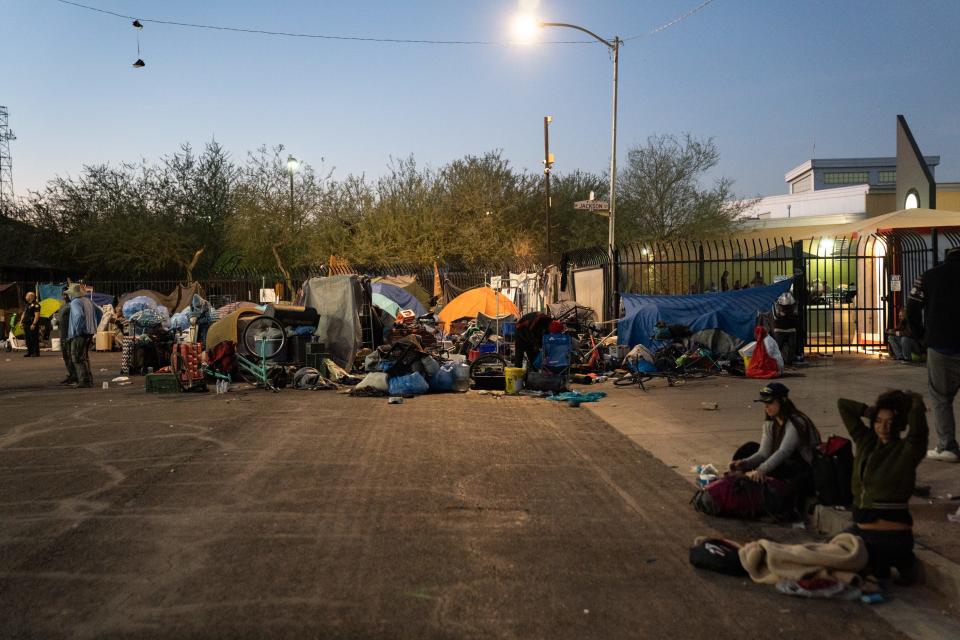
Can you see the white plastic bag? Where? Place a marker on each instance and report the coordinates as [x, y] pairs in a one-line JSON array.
[[773, 350]]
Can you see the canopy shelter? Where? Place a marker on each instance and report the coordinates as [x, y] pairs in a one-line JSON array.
[[733, 312], [482, 299], [401, 297], [408, 284], [904, 219]]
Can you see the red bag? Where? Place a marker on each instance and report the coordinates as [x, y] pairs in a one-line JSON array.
[[761, 364]]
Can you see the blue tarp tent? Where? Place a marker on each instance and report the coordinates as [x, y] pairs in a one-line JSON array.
[[734, 312], [402, 297]]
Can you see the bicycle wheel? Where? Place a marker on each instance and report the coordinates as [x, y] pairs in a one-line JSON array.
[[626, 381], [263, 338]]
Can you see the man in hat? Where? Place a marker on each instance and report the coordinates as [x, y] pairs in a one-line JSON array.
[[83, 326], [63, 324], [932, 311], [31, 325]]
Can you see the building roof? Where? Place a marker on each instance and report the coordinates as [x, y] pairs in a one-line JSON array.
[[849, 163]]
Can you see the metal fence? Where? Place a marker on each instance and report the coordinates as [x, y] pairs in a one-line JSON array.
[[849, 290]]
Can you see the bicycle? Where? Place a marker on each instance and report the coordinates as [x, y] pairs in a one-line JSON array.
[[263, 338]]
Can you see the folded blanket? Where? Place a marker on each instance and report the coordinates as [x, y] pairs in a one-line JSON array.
[[769, 562]]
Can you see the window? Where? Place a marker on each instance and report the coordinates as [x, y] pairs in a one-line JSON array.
[[912, 200], [803, 184], [887, 177], [846, 177]]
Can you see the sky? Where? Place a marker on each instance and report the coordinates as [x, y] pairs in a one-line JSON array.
[[768, 80]]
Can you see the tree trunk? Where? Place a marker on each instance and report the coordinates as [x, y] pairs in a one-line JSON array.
[[286, 274], [190, 266]]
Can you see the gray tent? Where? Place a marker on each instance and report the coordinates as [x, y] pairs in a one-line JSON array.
[[338, 300]]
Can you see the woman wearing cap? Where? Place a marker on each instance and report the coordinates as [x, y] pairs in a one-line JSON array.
[[786, 448], [884, 475]]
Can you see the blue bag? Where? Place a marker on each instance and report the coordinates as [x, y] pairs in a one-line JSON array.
[[444, 378], [410, 384]]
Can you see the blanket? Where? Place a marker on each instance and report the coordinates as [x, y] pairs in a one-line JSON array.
[[769, 562]]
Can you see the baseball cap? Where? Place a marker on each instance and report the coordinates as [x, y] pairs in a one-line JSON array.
[[773, 391]]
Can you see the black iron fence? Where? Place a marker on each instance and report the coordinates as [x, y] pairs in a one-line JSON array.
[[850, 290]]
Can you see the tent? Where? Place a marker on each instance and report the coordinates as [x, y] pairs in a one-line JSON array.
[[482, 299], [734, 312], [338, 300], [408, 284], [403, 298]]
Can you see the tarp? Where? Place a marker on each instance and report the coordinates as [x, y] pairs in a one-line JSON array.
[[734, 312], [49, 307], [338, 300], [225, 329], [479, 300], [403, 298]]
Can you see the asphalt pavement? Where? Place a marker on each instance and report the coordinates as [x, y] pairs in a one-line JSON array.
[[313, 514]]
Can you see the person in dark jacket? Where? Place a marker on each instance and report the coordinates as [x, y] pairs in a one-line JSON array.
[[63, 324], [529, 336], [933, 313], [901, 342], [884, 476], [31, 325]]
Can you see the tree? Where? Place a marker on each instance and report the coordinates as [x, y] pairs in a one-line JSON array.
[[575, 229], [660, 198]]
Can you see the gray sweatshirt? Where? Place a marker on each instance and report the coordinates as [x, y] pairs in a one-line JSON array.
[[766, 459]]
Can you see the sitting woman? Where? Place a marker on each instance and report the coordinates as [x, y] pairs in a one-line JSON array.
[[884, 475], [786, 448]]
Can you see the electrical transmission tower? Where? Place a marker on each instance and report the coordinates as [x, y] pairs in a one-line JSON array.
[[6, 162]]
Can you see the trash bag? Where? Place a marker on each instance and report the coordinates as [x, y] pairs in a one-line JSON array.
[[762, 365], [410, 384], [430, 366], [375, 381], [180, 321], [445, 378]]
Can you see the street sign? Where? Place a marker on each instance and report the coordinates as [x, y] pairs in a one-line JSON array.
[[896, 283], [592, 205]]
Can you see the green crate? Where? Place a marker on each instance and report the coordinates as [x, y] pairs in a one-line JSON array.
[[162, 383]]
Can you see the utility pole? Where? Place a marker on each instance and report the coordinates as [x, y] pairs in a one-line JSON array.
[[6, 163], [547, 166]]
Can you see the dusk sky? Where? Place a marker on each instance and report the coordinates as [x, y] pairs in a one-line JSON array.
[[767, 79]]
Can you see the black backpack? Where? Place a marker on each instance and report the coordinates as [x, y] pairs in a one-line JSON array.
[[715, 554], [833, 472]]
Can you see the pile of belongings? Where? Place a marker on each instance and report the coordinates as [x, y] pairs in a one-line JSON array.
[[405, 369]]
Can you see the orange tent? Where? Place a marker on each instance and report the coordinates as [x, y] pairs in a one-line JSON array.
[[480, 300]]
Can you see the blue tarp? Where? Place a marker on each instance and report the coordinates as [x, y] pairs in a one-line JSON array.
[[400, 296], [734, 312]]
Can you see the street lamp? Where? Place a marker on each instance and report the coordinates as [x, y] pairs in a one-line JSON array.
[[525, 28], [293, 165]]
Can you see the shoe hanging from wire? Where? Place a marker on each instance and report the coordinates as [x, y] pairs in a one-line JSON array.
[[139, 63]]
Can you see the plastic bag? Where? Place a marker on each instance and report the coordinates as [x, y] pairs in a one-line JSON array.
[[410, 384], [376, 380], [773, 350], [137, 304], [444, 379], [430, 366], [180, 321]]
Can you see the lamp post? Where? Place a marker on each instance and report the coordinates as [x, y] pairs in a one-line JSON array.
[[525, 27], [293, 165]]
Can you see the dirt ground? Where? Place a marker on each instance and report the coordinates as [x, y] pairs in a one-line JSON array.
[[312, 514]]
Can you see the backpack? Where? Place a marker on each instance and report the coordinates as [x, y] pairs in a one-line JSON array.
[[833, 472], [715, 554], [739, 497]]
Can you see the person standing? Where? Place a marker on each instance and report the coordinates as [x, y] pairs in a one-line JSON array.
[[31, 325], [63, 323], [932, 311], [83, 326]]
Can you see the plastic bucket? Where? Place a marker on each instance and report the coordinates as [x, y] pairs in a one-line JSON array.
[[514, 379]]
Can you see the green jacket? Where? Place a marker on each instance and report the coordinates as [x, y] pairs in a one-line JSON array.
[[884, 475]]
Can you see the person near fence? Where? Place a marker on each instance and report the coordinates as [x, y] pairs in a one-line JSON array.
[[83, 326], [884, 476], [786, 446], [529, 336], [933, 310], [63, 323], [900, 340], [31, 325]]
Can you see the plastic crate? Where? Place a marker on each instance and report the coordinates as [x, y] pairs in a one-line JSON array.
[[162, 383]]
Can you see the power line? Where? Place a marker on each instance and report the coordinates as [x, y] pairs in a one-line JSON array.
[[319, 36], [677, 20]]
